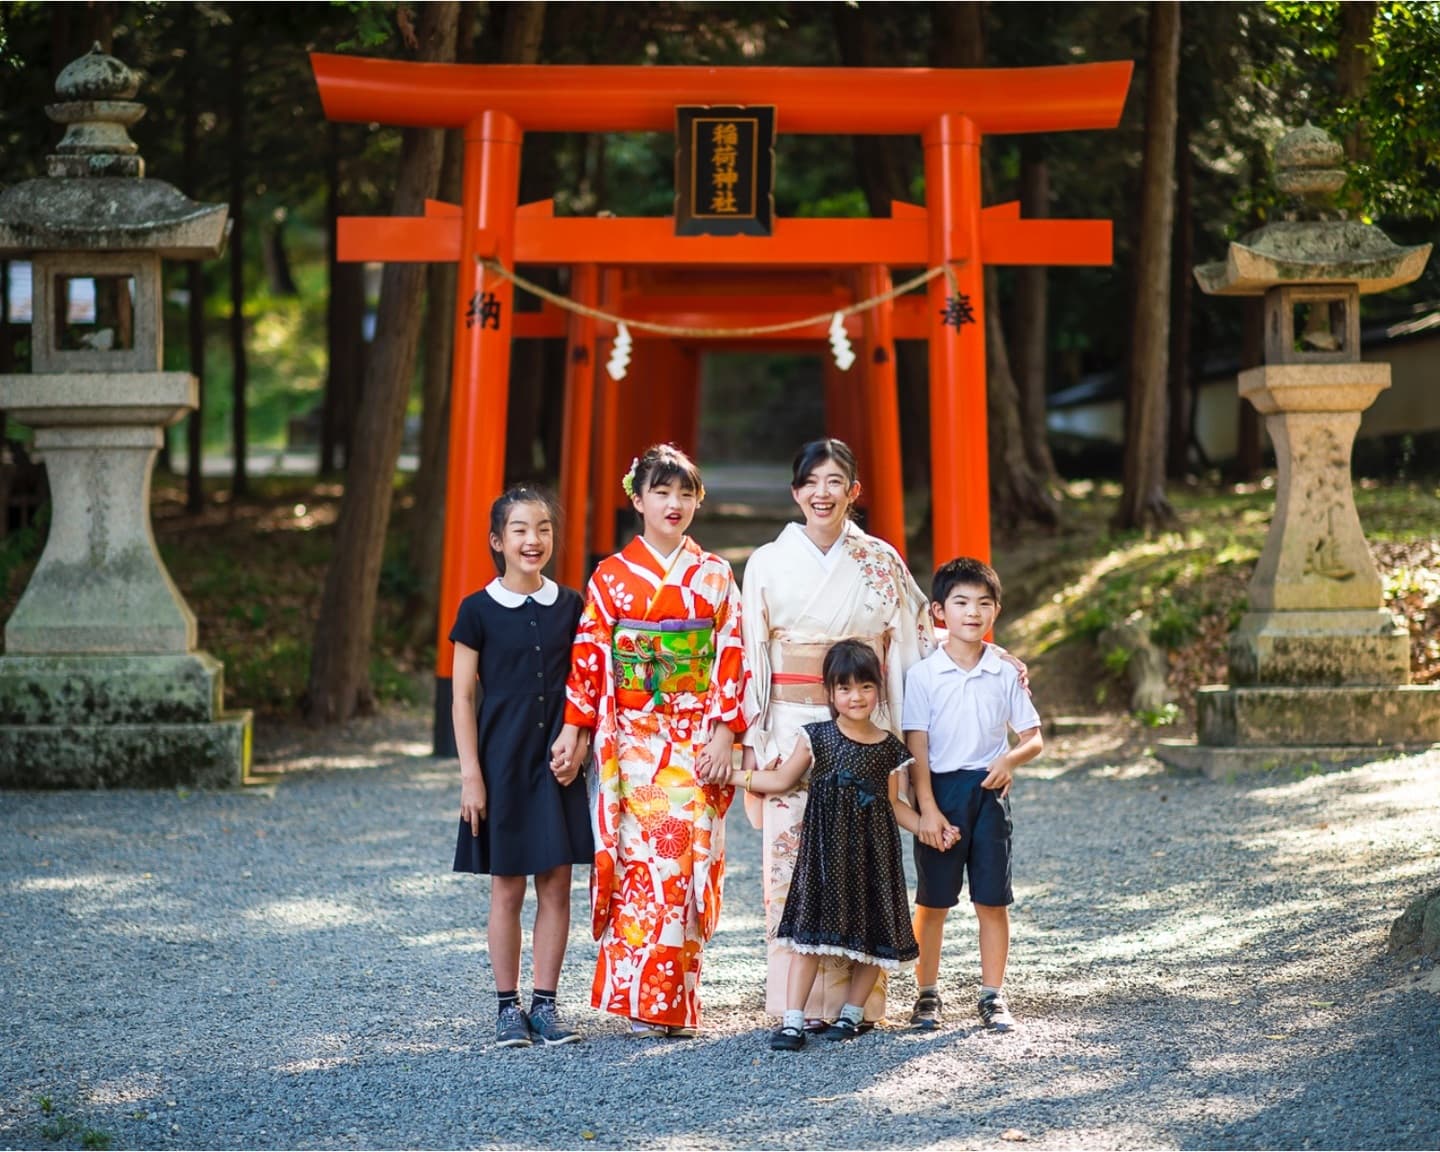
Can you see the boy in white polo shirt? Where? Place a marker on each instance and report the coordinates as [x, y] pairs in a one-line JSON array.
[[960, 704]]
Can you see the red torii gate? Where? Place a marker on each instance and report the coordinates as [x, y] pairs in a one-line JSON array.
[[951, 110]]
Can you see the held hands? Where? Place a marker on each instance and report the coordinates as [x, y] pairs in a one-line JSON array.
[[472, 801], [937, 832], [712, 766], [568, 753]]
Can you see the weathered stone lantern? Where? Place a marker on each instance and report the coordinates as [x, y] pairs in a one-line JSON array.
[[100, 684], [1318, 666]]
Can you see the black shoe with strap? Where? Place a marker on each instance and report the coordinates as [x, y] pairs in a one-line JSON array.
[[995, 1013], [843, 1029], [787, 1040]]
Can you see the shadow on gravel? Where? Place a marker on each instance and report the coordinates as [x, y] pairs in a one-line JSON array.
[[1195, 964]]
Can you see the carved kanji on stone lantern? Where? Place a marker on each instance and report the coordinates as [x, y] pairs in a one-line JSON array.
[[100, 683]]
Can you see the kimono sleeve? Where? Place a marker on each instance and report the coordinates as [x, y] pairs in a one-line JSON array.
[[756, 634], [589, 660], [730, 699]]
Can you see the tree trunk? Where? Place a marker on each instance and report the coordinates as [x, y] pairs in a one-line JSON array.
[[330, 406], [1249, 445], [1032, 323], [1181, 431], [339, 685], [427, 520], [277, 260], [194, 269], [1017, 493], [1352, 67], [1143, 503], [351, 353], [239, 164]]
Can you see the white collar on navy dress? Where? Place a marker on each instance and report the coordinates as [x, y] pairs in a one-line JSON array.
[[548, 594]]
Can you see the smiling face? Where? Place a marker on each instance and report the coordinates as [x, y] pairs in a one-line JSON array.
[[854, 700], [968, 613], [666, 510], [526, 542], [825, 496]]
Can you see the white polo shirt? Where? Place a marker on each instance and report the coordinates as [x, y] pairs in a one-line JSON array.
[[966, 715]]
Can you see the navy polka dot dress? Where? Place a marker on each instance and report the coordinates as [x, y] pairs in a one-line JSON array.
[[848, 895]]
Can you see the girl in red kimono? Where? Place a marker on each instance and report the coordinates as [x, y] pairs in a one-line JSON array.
[[658, 673]]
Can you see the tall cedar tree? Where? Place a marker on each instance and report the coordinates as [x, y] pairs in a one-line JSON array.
[[1144, 503], [340, 660]]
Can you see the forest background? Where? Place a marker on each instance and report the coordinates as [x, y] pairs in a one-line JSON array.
[[294, 346]]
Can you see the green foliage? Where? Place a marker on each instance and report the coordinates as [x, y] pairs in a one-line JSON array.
[[1398, 115], [1161, 717], [1117, 660]]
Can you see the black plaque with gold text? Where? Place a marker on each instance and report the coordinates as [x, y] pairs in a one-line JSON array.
[[724, 171]]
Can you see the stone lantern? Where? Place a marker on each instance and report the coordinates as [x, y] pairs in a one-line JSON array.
[[100, 684], [1318, 666]]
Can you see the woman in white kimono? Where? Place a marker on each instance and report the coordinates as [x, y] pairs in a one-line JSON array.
[[818, 582]]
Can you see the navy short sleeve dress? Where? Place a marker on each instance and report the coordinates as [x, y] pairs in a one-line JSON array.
[[531, 823]]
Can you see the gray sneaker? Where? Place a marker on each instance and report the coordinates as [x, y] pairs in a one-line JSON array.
[[995, 1013], [512, 1029], [545, 1023], [926, 1015]]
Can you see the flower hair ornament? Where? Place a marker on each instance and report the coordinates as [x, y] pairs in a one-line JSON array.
[[627, 481]]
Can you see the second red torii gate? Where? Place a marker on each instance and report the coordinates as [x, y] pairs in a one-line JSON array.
[[950, 110]]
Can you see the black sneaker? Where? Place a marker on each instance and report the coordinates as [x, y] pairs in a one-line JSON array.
[[545, 1024], [512, 1029], [843, 1029], [787, 1040], [995, 1013], [926, 1015]]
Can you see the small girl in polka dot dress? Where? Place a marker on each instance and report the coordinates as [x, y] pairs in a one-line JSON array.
[[848, 897]]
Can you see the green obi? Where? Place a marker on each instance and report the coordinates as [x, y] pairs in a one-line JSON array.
[[655, 659]]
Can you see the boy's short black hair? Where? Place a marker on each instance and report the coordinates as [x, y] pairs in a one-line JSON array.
[[850, 662], [964, 570]]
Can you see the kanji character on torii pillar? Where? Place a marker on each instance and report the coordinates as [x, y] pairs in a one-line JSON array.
[[950, 109]]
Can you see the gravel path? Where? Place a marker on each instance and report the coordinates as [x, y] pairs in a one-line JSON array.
[[1196, 964]]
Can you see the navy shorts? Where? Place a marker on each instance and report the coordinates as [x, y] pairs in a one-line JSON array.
[[983, 818]]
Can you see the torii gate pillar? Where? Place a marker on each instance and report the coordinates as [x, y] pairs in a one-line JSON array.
[[484, 307], [959, 445]]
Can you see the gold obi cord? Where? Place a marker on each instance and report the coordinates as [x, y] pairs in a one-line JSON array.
[[654, 660], [796, 666]]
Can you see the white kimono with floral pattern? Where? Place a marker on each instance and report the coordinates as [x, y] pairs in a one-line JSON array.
[[790, 597]]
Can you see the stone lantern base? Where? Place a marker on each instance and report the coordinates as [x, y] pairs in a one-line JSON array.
[[129, 721]]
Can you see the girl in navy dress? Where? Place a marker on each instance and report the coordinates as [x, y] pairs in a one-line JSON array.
[[522, 814], [848, 896]]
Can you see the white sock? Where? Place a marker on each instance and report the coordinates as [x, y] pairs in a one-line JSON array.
[[794, 1018], [855, 1013]]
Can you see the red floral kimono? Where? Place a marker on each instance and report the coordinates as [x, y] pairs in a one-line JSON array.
[[657, 663]]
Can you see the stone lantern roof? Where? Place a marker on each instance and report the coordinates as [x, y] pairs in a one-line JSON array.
[[94, 196], [1309, 165]]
